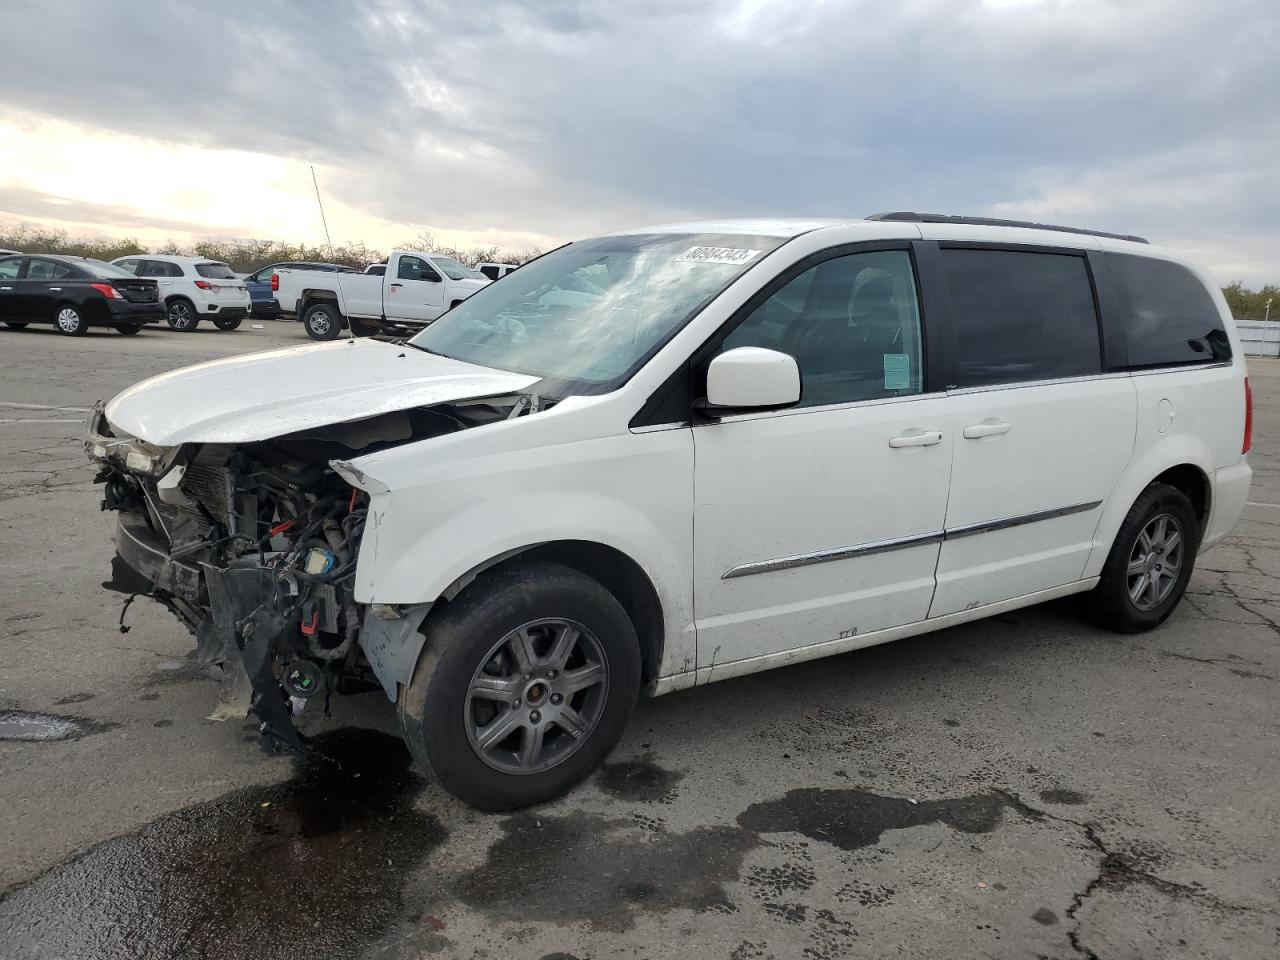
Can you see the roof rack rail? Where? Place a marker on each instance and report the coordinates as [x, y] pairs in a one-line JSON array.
[[908, 217]]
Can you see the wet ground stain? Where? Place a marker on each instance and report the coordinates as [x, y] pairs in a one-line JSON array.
[[313, 867], [640, 780], [182, 671], [46, 727], [852, 819], [589, 869], [1069, 798], [73, 698]]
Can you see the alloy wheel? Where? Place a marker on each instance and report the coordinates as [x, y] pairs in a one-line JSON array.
[[179, 316], [536, 696], [68, 320], [1154, 562]]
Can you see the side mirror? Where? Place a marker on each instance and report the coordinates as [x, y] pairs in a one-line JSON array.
[[752, 378]]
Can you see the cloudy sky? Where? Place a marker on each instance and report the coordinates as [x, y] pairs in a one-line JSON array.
[[532, 123]]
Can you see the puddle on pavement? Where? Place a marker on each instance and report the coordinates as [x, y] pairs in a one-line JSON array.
[[584, 868], [640, 780], [851, 819], [313, 867], [328, 864], [42, 727]]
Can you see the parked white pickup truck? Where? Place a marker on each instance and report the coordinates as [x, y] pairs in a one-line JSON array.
[[416, 288]]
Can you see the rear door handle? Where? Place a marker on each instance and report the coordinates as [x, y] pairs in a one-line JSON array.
[[395, 284], [988, 428], [6, 288], [916, 438], [55, 289]]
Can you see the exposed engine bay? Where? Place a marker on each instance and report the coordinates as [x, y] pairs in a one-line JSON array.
[[254, 547]]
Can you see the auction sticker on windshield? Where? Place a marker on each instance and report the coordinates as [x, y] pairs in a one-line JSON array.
[[716, 255]]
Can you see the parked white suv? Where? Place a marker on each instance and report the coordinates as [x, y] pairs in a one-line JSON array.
[[739, 445], [193, 288]]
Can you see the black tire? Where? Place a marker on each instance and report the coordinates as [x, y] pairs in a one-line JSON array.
[[1113, 603], [129, 329], [227, 323], [14, 324], [322, 321], [70, 320], [181, 314], [436, 711]]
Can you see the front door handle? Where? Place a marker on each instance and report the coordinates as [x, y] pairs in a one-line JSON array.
[[988, 428], [916, 438], [6, 288], [395, 284]]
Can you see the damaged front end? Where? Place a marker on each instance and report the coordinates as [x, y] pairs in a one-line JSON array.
[[254, 545]]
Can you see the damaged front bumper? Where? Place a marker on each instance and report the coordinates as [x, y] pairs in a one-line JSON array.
[[254, 552]]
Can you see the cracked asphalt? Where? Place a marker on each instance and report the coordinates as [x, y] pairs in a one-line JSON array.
[[1028, 786]]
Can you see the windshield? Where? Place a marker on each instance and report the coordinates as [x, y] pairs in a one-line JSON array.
[[215, 271], [107, 271], [592, 312], [452, 269]]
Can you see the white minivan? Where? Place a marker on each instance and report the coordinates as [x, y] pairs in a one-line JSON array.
[[655, 459]]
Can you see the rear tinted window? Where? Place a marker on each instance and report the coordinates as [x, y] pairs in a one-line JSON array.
[[1169, 317], [106, 271], [1021, 316], [159, 268], [215, 271]]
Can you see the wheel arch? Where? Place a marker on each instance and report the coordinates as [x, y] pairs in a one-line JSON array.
[[321, 297], [1195, 483], [610, 567], [1184, 462]]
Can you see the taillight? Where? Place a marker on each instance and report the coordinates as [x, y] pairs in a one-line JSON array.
[[107, 290], [275, 282], [204, 284], [1248, 418]]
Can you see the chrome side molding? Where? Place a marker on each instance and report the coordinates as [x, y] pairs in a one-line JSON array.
[[902, 543]]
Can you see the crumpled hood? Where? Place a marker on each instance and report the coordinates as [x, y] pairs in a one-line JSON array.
[[265, 395]]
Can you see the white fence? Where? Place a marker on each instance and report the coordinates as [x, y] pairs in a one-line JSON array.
[[1261, 337]]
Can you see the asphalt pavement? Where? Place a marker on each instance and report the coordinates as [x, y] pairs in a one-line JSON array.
[[1026, 786]]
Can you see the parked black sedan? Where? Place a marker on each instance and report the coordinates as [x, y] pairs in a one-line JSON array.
[[74, 293]]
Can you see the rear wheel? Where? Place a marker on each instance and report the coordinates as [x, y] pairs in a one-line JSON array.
[[322, 321], [525, 684], [70, 320], [129, 329], [1150, 562], [182, 315], [14, 324], [227, 323]]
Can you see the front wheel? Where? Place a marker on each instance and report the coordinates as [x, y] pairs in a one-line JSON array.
[[322, 321], [129, 329], [227, 323], [525, 684], [181, 315], [1150, 562]]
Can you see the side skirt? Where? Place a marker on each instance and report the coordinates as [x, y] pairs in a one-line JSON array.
[[830, 648]]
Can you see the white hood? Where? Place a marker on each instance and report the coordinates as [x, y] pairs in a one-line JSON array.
[[265, 395]]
